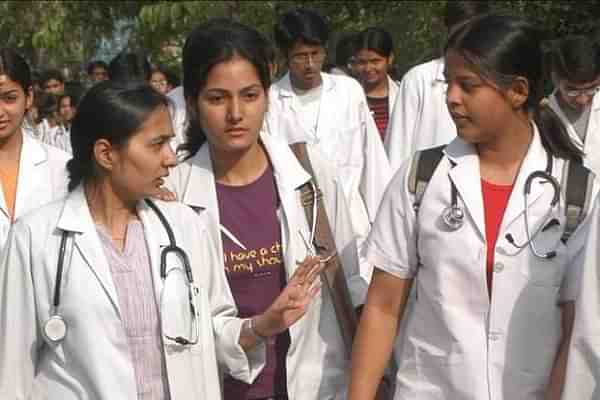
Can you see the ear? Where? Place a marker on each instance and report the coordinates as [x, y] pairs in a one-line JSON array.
[[518, 92], [105, 155], [391, 59]]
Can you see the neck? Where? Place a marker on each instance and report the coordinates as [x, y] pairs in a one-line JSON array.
[[501, 159], [10, 147], [239, 168], [109, 209], [299, 84], [377, 89]]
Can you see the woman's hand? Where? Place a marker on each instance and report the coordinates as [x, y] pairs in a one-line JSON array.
[[292, 303]]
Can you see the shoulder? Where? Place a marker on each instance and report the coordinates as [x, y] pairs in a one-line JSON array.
[[343, 83], [42, 220]]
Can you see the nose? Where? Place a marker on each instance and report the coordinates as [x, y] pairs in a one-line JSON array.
[[453, 97], [234, 112], [170, 158]]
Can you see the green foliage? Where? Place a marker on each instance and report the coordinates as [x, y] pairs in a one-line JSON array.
[[62, 32]]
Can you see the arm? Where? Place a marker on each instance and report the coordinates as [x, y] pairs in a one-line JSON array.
[[374, 340], [557, 376], [19, 331]]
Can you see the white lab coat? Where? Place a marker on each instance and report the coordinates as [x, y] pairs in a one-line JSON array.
[[57, 136], [393, 92], [93, 361], [316, 364], [582, 381], [178, 116], [420, 117], [458, 344], [347, 135], [591, 146], [42, 178]]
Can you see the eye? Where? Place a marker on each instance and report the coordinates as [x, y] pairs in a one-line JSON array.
[[215, 98], [251, 95]]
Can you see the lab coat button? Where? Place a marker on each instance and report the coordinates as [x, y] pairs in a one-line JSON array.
[[498, 267]]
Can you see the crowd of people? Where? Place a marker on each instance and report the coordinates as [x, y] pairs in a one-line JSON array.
[[270, 231]]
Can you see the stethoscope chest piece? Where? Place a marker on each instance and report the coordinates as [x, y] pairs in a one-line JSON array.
[[55, 328], [453, 216]]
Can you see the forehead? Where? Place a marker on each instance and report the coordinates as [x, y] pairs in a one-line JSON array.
[[233, 74], [303, 47], [52, 82], [368, 54], [457, 66], [581, 85], [8, 84], [158, 74]]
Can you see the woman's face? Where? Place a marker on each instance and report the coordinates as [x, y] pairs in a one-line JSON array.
[[140, 166], [479, 109], [66, 111], [371, 68], [14, 102], [231, 106], [158, 81]]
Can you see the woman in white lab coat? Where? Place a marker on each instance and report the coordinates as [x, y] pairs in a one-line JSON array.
[[249, 182], [95, 300], [576, 77], [373, 58], [494, 296], [31, 173]]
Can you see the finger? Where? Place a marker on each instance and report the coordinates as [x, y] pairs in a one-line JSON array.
[[302, 270], [315, 270]]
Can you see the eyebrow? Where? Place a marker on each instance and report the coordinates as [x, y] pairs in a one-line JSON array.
[[244, 89]]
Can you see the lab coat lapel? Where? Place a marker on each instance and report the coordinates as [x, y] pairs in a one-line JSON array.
[[327, 108], [592, 137], [466, 177], [535, 160], [563, 117], [76, 218], [33, 155], [289, 176], [200, 192], [156, 239]]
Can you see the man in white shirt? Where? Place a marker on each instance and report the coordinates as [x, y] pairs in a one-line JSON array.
[[420, 118], [329, 112], [576, 78]]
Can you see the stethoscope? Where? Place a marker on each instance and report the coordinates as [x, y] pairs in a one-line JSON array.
[[453, 216], [55, 327]]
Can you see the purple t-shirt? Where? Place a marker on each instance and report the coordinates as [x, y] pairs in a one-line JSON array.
[[256, 275]]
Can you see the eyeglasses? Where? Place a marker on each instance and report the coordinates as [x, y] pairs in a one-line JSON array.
[[179, 309], [573, 93], [159, 83], [305, 58]]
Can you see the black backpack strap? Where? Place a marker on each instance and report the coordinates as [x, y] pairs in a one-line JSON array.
[[422, 168], [577, 181]]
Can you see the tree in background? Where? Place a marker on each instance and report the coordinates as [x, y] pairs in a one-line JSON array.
[[60, 33]]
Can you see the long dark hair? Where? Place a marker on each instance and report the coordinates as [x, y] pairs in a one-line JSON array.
[[111, 110], [16, 68], [501, 48], [206, 46]]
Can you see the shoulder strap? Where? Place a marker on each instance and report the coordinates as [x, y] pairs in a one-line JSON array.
[[422, 168], [577, 181], [333, 276]]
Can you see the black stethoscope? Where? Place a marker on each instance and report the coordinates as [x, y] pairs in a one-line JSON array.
[[454, 215], [55, 327]]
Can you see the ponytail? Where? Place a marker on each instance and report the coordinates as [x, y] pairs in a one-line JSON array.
[[78, 172], [554, 135], [195, 136]]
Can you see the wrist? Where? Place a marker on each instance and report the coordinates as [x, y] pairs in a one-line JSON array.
[[260, 326]]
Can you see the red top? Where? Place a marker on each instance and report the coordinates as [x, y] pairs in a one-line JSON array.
[[379, 107], [495, 200]]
